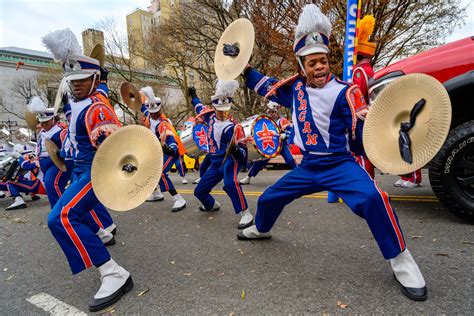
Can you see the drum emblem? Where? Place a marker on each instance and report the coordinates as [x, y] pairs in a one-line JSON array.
[[266, 136], [201, 137]]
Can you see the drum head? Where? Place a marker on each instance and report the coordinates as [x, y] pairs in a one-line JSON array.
[[200, 136], [266, 136]]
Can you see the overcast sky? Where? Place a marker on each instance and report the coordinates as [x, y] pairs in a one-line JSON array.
[[24, 22]]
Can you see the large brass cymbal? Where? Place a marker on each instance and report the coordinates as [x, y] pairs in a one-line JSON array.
[[393, 107], [131, 96], [31, 120], [53, 152], [126, 167], [98, 53], [239, 33]]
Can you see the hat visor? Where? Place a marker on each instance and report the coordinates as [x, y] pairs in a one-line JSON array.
[[45, 119], [154, 109], [223, 107], [78, 76], [314, 49]]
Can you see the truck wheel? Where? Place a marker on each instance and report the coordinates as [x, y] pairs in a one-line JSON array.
[[451, 172]]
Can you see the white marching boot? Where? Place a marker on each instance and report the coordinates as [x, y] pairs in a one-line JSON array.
[[245, 180], [116, 281], [107, 237], [112, 229], [214, 208], [398, 183], [409, 276], [185, 181], [18, 204], [410, 185], [179, 203], [2, 194], [196, 181], [156, 196], [253, 233], [246, 219]]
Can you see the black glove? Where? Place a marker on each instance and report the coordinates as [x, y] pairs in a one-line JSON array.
[[192, 92], [65, 99], [104, 73], [167, 150], [236, 153]]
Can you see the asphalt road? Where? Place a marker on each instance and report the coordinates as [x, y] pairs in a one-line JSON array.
[[322, 259]]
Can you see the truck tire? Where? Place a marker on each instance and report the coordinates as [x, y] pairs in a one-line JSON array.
[[451, 172]]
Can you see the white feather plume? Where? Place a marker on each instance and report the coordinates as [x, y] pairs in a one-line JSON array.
[[313, 20], [226, 88], [36, 105], [149, 94], [62, 44]]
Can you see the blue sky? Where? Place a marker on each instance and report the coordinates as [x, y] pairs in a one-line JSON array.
[[24, 22]]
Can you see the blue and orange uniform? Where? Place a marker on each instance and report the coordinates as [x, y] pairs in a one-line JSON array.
[[324, 119], [26, 181], [220, 135], [91, 121]]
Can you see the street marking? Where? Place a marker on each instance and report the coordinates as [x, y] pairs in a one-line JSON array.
[[406, 198], [54, 306]]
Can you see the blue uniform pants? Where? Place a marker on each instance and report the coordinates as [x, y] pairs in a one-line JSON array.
[[285, 152], [205, 164], [213, 176], [24, 186], [98, 217], [181, 167], [82, 247], [165, 181], [340, 174], [55, 183]]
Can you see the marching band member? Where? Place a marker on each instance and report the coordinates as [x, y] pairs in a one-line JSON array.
[[53, 179], [163, 129], [285, 127], [221, 131], [23, 183], [325, 113], [98, 219], [92, 120]]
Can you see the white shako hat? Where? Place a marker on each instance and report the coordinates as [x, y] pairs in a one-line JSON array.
[[225, 90], [153, 102], [37, 106]]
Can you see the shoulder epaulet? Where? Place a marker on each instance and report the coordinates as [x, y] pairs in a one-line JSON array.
[[343, 82], [281, 83]]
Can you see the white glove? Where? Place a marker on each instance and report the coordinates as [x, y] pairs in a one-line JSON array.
[[362, 114], [283, 136]]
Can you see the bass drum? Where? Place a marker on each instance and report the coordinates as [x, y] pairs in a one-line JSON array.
[[195, 140], [262, 137]]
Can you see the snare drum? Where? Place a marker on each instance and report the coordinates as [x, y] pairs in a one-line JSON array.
[[263, 137], [195, 140]]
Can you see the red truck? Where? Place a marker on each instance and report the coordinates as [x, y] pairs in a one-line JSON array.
[[451, 172]]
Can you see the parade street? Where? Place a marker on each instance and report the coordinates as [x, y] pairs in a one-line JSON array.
[[321, 259]]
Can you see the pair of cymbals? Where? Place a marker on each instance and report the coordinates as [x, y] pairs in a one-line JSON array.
[[239, 34], [53, 152], [127, 167], [394, 106], [131, 96], [31, 120]]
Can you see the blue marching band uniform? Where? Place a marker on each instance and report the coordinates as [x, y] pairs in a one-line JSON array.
[[220, 135], [161, 126], [327, 116]]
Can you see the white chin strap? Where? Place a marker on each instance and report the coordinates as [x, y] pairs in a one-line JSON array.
[[92, 86], [301, 66]]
